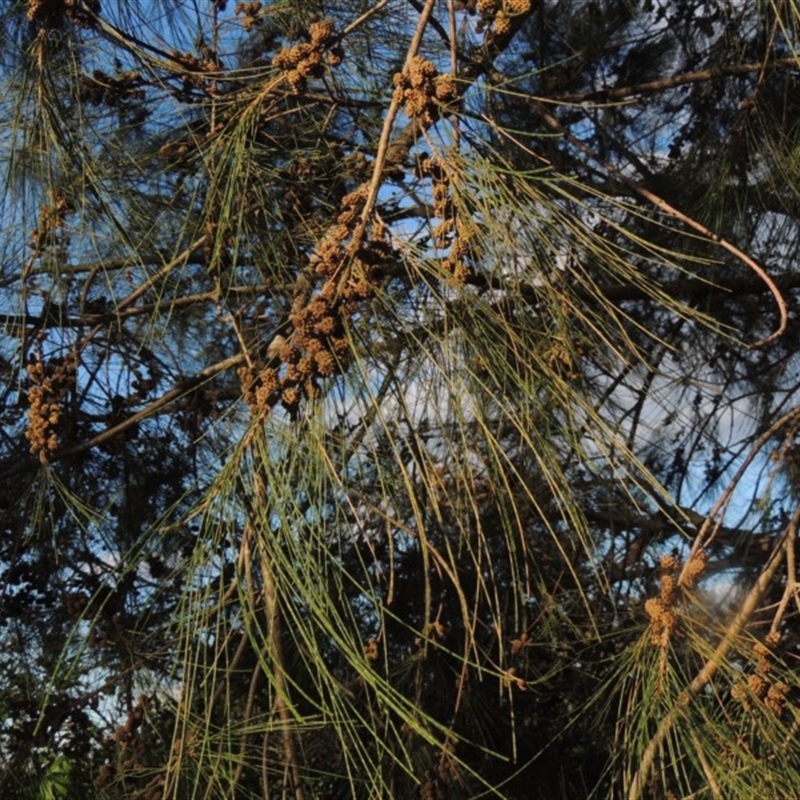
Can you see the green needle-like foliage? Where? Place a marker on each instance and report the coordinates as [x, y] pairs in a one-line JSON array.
[[399, 399]]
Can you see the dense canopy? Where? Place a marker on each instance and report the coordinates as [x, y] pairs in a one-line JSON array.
[[399, 399]]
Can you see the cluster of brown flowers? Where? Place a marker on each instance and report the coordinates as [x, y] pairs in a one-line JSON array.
[[317, 346], [463, 246], [308, 59], [198, 72], [250, 13], [48, 385], [560, 356], [440, 188], [102, 89], [421, 90], [207, 61], [52, 219], [661, 609], [372, 650], [53, 13], [312, 351], [452, 232], [496, 15], [695, 567], [760, 684], [346, 262]]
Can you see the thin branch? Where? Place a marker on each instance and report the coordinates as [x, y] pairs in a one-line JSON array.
[[274, 643], [179, 390], [704, 538], [359, 21], [388, 122], [661, 84], [659, 202]]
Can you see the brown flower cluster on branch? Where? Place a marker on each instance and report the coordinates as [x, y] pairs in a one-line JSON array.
[[455, 265], [453, 231], [440, 188], [496, 15], [346, 262], [316, 349], [130, 755], [102, 89], [694, 569], [197, 73], [251, 13], [48, 385], [317, 346], [50, 229], [308, 59], [661, 609], [421, 90], [760, 685], [662, 612], [208, 61]]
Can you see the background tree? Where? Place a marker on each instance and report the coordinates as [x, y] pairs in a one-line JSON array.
[[398, 399]]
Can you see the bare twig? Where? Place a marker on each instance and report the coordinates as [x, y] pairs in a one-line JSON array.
[[707, 533], [662, 84], [356, 23]]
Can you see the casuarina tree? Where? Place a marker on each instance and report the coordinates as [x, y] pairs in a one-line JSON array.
[[399, 399]]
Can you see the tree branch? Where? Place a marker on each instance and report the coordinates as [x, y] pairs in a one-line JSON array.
[[661, 84]]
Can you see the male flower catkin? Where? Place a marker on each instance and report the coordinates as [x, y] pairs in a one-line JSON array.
[[420, 89], [308, 59], [48, 385]]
